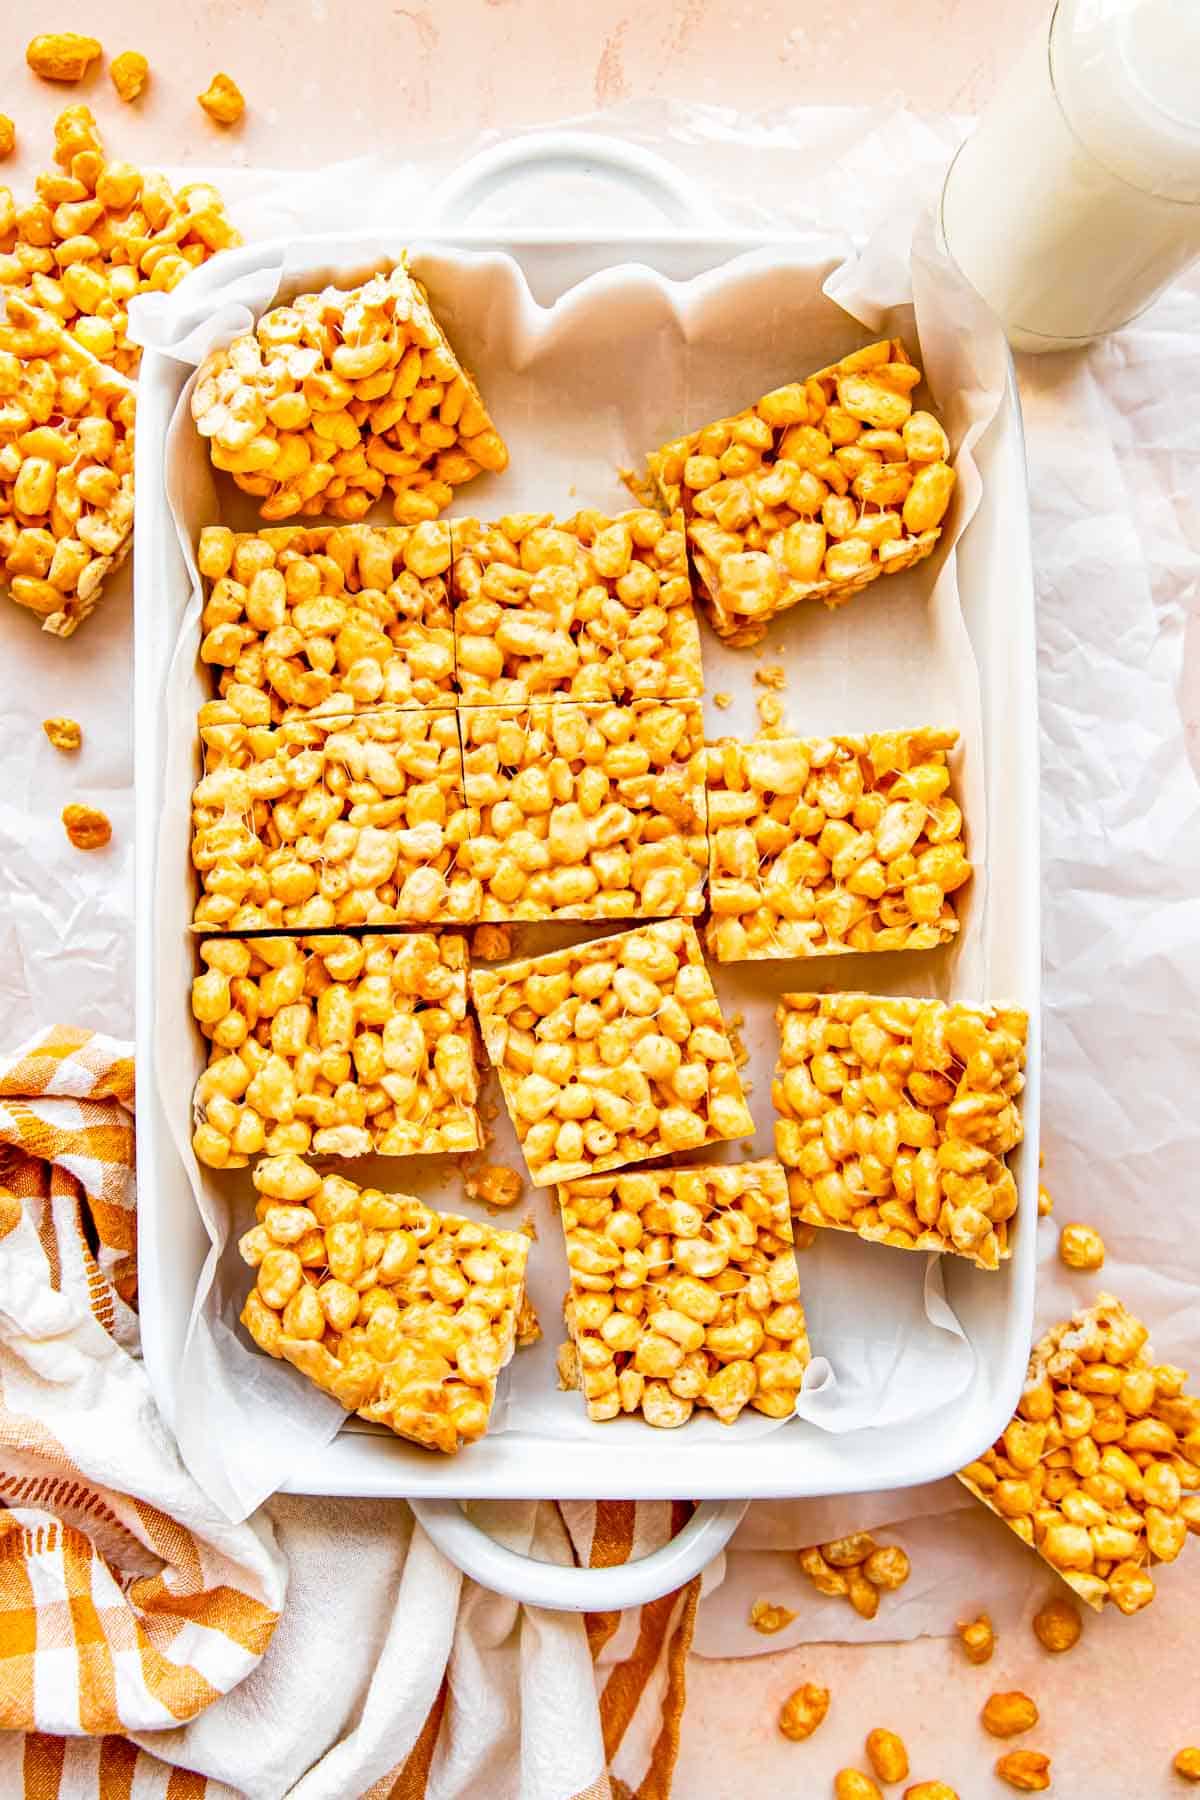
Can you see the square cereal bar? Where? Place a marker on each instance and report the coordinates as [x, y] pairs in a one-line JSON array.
[[345, 617], [895, 1118], [405, 1315], [611, 1052], [586, 812], [340, 394], [811, 493], [818, 845], [325, 821], [594, 608], [684, 1292], [338, 1046], [1100, 1466]]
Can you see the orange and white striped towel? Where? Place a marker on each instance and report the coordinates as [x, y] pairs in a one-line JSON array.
[[134, 1617]]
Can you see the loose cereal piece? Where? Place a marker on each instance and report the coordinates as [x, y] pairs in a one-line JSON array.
[[819, 845], [768, 1618], [341, 394], [129, 72], [895, 1118], [1187, 1763], [930, 1790], [64, 734], [1081, 1247], [566, 1359], [1027, 1770], [887, 1568], [495, 1185], [803, 1711], [1091, 1469], [586, 812], [862, 1594], [611, 1052], [223, 100], [1057, 1624], [529, 1330], [491, 943], [887, 1755], [62, 55], [1005, 1715], [827, 1580], [86, 826], [977, 1637], [593, 608], [329, 821], [406, 1316], [722, 700], [848, 1552], [344, 618], [1045, 1203], [335, 1046], [811, 493], [684, 1292], [8, 136], [852, 1784]]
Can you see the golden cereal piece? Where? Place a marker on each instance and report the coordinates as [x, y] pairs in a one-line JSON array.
[[529, 1330], [1057, 1624], [822, 845], [8, 136], [129, 73], [405, 1315], [887, 1754], [586, 812], [566, 1359], [930, 1790], [684, 1294], [1045, 1203], [336, 619], [1081, 1247], [611, 1052], [803, 1711], [887, 1568], [852, 1784], [768, 1618], [340, 395], [855, 1569], [335, 1046], [496, 1185], [491, 943], [1027, 1770], [1098, 1468], [64, 734], [848, 1552], [592, 608], [62, 55], [223, 100], [1187, 1763], [895, 1116], [1005, 1715], [811, 493], [329, 821], [977, 1637], [87, 827]]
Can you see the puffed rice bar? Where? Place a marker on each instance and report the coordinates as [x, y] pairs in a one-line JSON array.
[[812, 492], [586, 812], [405, 1315], [895, 1116], [593, 608], [1099, 1469], [340, 394], [820, 845], [71, 259], [684, 1292], [325, 822], [335, 1046], [611, 1052], [344, 618]]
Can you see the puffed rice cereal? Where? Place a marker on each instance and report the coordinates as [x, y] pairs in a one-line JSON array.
[[811, 493], [819, 845], [405, 1315], [129, 73], [329, 821], [335, 1046], [1100, 1466], [895, 1118], [223, 100], [586, 812], [347, 617], [341, 394], [87, 827], [593, 608], [684, 1293], [62, 55], [855, 1569], [611, 1052]]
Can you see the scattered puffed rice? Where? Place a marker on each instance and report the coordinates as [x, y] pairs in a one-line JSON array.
[[856, 1569], [129, 72], [887, 1754], [1081, 1247], [87, 827], [1045, 1203], [223, 100], [8, 135], [803, 1711], [62, 55], [1057, 1624], [977, 1637], [1187, 1763], [768, 1618], [491, 943], [495, 1185], [1027, 1770], [64, 734], [722, 699], [1006, 1715], [852, 1784]]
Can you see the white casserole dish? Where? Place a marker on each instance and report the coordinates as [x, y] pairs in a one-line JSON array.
[[995, 581]]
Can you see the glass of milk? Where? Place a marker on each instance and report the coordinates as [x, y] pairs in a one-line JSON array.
[[1078, 197]]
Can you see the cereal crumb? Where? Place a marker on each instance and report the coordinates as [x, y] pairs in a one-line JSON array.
[[1081, 1247], [803, 1711], [770, 710], [978, 1638], [491, 943], [566, 1358], [496, 1185], [528, 1329], [769, 1618], [222, 100], [8, 135], [1057, 1624], [62, 55], [1045, 1203], [771, 675], [64, 734], [722, 699], [129, 72], [1187, 1763], [86, 826]]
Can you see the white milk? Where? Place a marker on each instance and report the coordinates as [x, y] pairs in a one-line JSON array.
[[1078, 197]]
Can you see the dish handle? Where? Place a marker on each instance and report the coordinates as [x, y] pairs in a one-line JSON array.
[[593, 154], [564, 1589]]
